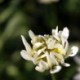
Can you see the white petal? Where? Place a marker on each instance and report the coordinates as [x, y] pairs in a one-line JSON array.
[[55, 33], [42, 56], [42, 66], [31, 34], [25, 55], [34, 60], [56, 37], [26, 44], [50, 43], [48, 59], [55, 70], [45, 65], [66, 64], [38, 57], [60, 32], [53, 59], [74, 51], [65, 33], [40, 51], [39, 68], [38, 44], [59, 58]]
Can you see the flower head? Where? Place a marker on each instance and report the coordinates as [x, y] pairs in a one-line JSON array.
[[48, 52]]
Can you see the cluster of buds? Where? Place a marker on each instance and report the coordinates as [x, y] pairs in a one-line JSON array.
[[48, 52]]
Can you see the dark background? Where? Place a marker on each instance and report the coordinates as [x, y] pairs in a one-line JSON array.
[[19, 16]]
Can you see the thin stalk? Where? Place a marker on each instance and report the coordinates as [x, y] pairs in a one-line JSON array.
[[53, 77]]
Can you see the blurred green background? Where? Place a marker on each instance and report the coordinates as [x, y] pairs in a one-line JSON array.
[[19, 16]]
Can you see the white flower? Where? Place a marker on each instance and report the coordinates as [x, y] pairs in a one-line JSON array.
[[48, 52]]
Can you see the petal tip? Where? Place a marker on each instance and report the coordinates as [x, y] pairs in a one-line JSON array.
[[65, 32], [23, 54], [66, 64], [31, 34], [57, 69], [74, 51], [22, 36]]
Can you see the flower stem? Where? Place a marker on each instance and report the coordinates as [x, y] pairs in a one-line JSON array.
[[53, 77]]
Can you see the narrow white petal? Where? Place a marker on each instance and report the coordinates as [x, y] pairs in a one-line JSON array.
[[31, 34], [39, 68], [65, 33], [56, 29], [56, 37], [25, 55], [42, 66], [53, 59], [26, 44], [38, 44], [60, 32], [66, 64], [58, 45], [59, 57], [48, 59], [55, 33], [50, 43], [42, 56], [74, 51], [40, 51], [45, 65], [34, 60], [55, 70]]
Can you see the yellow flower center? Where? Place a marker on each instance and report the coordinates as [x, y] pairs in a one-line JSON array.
[[56, 50]]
